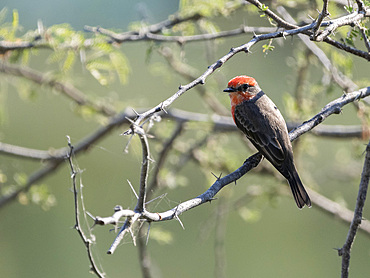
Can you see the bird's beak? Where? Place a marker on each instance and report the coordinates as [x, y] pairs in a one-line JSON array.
[[229, 90]]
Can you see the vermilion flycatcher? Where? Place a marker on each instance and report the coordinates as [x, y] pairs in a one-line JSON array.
[[260, 120]]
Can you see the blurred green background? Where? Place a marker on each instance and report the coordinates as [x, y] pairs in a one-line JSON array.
[[283, 242]]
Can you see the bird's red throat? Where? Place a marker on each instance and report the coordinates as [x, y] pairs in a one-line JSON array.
[[237, 98]]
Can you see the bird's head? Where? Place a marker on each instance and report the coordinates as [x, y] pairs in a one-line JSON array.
[[242, 88]]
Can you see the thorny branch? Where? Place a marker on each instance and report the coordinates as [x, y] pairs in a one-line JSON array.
[[331, 25], [324, 13], [333, 107], [88, 242], [345, 251], [292, 30], [56, 157]]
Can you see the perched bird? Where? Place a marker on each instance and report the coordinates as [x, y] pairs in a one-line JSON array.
[[260, 120]]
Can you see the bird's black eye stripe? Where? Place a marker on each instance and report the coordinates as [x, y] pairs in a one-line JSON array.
[[243, 87]]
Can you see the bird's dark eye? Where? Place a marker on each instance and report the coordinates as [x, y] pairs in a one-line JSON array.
[[244, 87]]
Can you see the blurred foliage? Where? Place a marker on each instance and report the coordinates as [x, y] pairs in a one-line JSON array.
[[39, 195], [102, 59], [160, 235]]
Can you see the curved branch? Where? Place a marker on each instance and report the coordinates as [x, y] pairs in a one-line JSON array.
[[333, 107], [53, 164], [65, 88]]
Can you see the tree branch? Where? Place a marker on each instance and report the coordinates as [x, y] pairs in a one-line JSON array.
[[331, 25], [333, 107], [324, 13], [53, 164], [65, 88], [342, 80], [345, 251], [88, 242]]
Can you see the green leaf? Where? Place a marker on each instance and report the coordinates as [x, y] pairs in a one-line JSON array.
[[15, 22], [120, 64], [69, 61]]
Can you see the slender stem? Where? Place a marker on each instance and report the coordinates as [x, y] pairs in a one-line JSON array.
[[345, 251]]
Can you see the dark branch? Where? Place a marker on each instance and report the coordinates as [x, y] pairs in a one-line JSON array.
[[345, 251]]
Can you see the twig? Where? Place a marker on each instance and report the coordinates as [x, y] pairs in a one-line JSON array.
[[324, 13], [345, 251], [88, 242]]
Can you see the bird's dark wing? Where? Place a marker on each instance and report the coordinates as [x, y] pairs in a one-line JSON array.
[[262, 123]]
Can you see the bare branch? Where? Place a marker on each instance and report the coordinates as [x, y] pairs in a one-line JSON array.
[[140, 207], [334, 24], [324, 13], [345, 251], [88, 242], [125, 228], [155, 28], [333, 107], [347, 48], [53, 164], [179, 39], [31, 153], [65, 88]]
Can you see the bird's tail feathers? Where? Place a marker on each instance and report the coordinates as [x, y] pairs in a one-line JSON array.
[[299, 193]]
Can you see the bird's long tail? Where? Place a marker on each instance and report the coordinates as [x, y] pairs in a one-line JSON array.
[[299, 193]]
